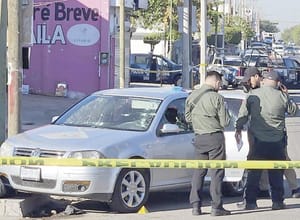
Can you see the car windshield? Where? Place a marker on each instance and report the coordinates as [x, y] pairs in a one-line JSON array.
[[112, 112]]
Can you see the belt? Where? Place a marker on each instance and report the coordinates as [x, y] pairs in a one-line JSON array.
[[212, 133]]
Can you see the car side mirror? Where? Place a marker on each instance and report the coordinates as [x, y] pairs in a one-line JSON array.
[[170, 128], [54, 118]]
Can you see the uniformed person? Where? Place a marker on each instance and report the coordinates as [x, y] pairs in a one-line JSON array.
[[265, 108], [206, 110], [252, 80]]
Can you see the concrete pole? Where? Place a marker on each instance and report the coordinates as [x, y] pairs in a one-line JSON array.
[[203, 54], [186, 41], [3, 68], [122, 43], [223, 28], [14, 74]]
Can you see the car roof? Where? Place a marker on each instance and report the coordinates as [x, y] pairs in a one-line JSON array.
[[238, 94], [164, 92], [146, 92]]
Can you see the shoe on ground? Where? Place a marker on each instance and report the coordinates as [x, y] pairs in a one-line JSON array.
[[246, 206], [278, 205], [196, 208], [296, 193], [196, 211], [264, 194], [219, 212]]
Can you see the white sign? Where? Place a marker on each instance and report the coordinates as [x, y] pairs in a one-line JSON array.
[[83, 35]]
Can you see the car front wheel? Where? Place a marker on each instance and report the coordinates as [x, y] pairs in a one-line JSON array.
[[131, 190]]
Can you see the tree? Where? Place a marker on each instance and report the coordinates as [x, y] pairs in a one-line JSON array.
[[268, 26], [158, 13], [292, 35], [236, 29]]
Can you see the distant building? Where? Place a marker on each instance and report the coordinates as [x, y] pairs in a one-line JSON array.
[[74, 45]]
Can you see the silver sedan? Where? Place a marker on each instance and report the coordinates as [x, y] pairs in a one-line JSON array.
[[145, 123]]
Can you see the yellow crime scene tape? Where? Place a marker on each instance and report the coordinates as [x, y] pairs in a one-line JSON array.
[[150, 163]]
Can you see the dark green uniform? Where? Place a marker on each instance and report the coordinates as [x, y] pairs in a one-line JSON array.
[[206, 110], [209, 115], [267, 113], [265, 108]]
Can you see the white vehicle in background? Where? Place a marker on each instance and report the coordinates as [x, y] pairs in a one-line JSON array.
[[279, 49]]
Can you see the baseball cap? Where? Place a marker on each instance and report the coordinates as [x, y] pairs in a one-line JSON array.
[[250, 71], [272, 75]]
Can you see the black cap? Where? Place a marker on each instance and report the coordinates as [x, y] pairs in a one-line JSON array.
[[250, 71], [272, 75]]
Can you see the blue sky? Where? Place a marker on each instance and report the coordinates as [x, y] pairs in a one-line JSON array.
[[285, 12]]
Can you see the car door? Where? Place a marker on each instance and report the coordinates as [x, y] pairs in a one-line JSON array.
[[173, 146]]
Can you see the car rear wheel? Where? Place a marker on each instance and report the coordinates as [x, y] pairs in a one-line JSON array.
[[235, 188], [131, 190]]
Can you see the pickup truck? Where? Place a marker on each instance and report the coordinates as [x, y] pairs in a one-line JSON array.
[[287, 67], [141, 65], [289, 70]]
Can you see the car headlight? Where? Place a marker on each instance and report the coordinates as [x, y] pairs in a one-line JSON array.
[[6, 150], [91, 154]]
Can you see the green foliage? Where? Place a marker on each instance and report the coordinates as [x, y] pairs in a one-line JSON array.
[[236, 29], [268, 26], [233, 35], [292, 35], [158, 12]]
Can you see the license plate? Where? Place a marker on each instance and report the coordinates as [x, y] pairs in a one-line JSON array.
[[30, 173]]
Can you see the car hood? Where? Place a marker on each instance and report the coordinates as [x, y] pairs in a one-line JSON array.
[[68, 138]]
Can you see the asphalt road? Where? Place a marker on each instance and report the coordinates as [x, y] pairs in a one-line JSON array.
[[164, 205]]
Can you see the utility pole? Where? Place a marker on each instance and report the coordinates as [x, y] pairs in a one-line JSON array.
[[203, 54], [14, 74], [186, 41], [3, 68], [122, 43]]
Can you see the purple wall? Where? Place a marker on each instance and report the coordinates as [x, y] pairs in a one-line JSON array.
[[68, 38]]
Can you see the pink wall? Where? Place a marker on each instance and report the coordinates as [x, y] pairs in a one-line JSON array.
[[68, 38]]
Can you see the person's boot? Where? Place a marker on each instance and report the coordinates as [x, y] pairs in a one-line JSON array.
[[246, 206], [219, 212], [278, 205], [196, 210]]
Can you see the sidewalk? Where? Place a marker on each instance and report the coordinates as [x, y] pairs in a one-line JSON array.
[[38, 110]]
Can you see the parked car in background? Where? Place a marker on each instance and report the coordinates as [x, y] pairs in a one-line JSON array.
[[289, 51], [290, 71], [131, 123], [230, 67], [279, 49], [163, 69]]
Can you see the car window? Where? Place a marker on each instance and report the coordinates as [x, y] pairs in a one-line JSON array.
[[174, 114], [112, 112]]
